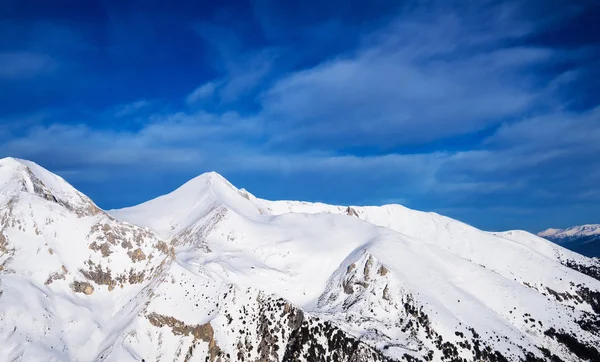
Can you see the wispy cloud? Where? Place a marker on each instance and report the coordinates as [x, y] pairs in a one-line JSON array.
[[379, 115], [242, 69], [533, 154], [131, 108], [24, 65], [203, 92], [426, 76]]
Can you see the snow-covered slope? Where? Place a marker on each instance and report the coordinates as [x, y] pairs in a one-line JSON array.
[[212, 273], [584, 239], [173, 213]]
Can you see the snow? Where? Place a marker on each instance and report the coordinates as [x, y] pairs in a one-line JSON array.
[[217, 259], [171, 214], [572, 232]]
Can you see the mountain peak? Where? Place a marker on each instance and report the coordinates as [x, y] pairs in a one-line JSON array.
[[549, 232], [8, 161], [210, 176], [176, 211], [19, 177], [13, 165], [208, 179]]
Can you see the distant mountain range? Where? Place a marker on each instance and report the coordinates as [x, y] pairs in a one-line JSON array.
[[583, 239]]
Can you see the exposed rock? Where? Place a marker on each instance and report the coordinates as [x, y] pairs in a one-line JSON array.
[[592, 270], [578, 348], [81, 207], [367, 269], [244, 194], [104, 248], [351, 212], [163, 247], [383, 271], [202, 332], [386, 293], [57, 276], [137, 255], [591, 297], [3, 243], [96, 274], [82, 287], [136, 278]]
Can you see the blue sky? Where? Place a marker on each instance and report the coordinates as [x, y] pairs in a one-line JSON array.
[[484, 111]]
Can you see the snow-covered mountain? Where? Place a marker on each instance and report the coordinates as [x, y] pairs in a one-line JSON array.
[[71, 276], [584, 239], [211, 273], [575, 231]]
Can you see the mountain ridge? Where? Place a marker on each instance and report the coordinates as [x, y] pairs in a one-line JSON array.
[[573, 231], [210, 272]]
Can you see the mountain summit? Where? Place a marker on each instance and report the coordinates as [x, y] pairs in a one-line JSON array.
[[175, 212], [210, 272], [20, 177], [572, 232]]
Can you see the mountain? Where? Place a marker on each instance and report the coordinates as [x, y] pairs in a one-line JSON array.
[[584, 239], [71, 276], [210, 272]]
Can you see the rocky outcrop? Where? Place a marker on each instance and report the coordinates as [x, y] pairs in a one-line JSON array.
[[351, 212], [137, 255], [78, 203], [202, 332], [62, 275], [82, 287]]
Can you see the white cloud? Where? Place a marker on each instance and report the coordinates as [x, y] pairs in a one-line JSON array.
[[530, 162], [131, 108], [203, 92], [431, 74], [402, 94]]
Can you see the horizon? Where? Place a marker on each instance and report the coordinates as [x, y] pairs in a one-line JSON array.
[[262, 198], [487, 113]]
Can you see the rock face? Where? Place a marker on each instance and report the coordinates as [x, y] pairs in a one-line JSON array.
[[262, 328], [351, 212], [82, 287], [212, 273]]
